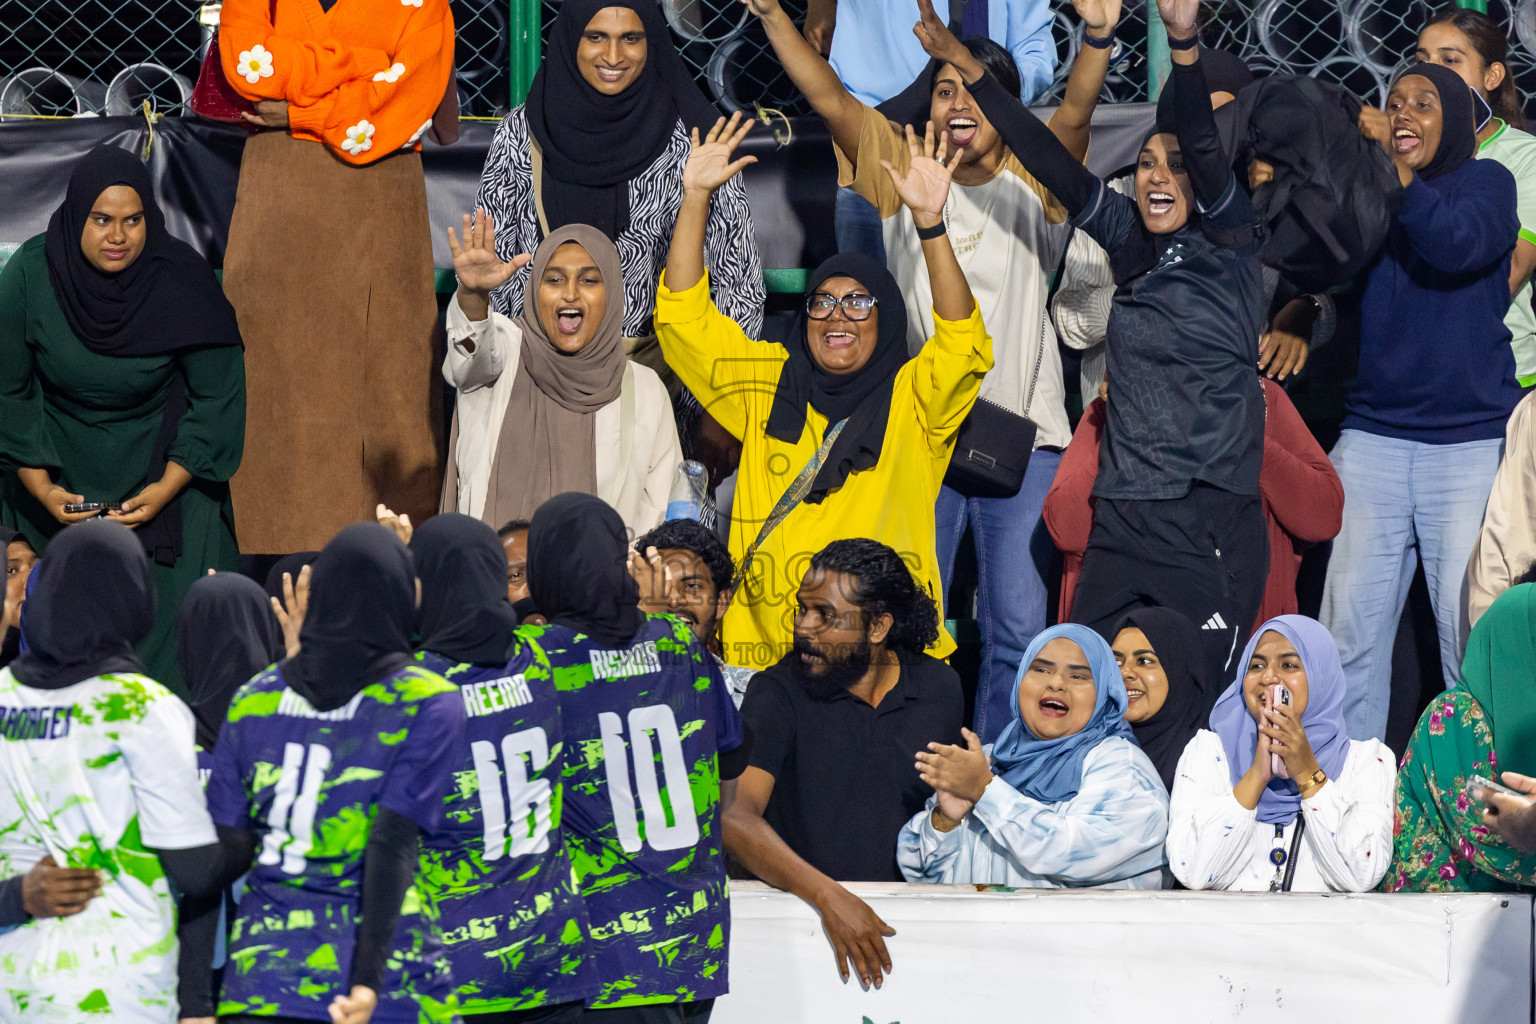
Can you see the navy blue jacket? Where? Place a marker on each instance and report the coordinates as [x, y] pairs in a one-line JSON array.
[[1435, 361]]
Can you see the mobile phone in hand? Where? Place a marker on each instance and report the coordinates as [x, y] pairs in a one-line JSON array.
[[1279, 694], [1478, 785], [74, 507]]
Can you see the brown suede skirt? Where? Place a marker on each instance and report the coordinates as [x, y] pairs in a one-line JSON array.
[[329, 268]]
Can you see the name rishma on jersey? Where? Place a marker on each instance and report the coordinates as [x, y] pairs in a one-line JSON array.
[[635, 661]]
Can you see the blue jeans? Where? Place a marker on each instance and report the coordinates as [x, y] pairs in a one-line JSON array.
[[856, 223], [1013, 555], [1402, 500]]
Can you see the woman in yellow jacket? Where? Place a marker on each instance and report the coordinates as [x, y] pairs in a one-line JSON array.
[[842, 434]]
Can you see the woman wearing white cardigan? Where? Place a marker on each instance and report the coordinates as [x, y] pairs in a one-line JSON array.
[[547, 402], [1233, 822]]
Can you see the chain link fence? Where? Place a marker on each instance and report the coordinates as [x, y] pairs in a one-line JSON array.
[[63, 58], [1357, 43], [68, 57]]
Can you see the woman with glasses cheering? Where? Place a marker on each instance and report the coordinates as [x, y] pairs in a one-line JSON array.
[[842, 434]]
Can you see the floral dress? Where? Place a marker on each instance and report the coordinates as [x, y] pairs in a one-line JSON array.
[[1439, 841]]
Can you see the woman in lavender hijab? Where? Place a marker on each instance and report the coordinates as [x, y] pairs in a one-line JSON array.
[[1275, 795]]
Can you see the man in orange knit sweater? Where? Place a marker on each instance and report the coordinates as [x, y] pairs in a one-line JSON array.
[[329, 263]]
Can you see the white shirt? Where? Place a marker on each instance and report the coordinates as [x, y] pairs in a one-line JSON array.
[[1214, 842], [483, 379], [99, 774], [1008, 234], [1108, 836], [1008, 249]]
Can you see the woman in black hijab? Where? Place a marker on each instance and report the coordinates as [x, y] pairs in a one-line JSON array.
[[357, 629], [225, 634], [843, 434], [1434, 389], [578, 569], [93, 603], [465, 616], [1169, 682], [124, 385], [602, 140], [593, 140], [19, 560]]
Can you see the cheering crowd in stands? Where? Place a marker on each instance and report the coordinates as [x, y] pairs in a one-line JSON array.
[[493, 753]]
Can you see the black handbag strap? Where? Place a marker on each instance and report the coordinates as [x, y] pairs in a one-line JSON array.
[[1290, 862]]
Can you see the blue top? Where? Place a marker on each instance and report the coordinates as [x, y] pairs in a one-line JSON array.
[[1435, 361], [876, 55], [514, 927], [642, 726], [309, 783]]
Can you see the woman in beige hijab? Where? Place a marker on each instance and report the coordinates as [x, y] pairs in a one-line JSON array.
[[547, 402]]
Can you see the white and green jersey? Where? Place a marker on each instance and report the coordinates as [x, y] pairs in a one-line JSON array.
[[1516, 150], [97, 775]]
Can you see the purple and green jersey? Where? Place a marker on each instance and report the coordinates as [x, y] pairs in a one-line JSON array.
[[514, 927], [643, 725], [309, 783]]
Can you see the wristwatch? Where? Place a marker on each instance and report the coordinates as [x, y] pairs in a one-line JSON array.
[[1317, 779]]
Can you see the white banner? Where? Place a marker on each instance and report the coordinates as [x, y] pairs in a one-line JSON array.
[[963, 956]]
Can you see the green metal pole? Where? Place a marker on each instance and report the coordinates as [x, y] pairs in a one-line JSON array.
[[1159, 59], [524, 29], [1475, 5]]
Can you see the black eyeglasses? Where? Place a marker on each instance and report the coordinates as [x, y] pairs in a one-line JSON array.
[[856, 306]]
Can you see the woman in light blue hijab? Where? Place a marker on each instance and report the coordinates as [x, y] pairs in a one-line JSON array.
[[1064, 798]]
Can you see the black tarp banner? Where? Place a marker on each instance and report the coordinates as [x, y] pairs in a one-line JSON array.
[[196, 168]]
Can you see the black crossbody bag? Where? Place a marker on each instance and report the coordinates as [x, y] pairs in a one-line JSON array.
[[993, 445]]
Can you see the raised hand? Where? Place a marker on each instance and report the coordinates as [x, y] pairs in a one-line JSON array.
[[1099, 16], [1178, 16], [762, 8], [654, 579], [290, 611], [475, 262], [924, 187], [938, 41], [400, 524], [710, 165]]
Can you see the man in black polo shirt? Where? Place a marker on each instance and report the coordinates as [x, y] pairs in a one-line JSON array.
[[836, 726]]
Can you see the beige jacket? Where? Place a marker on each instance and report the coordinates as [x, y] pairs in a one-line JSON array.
[[1506, 545]]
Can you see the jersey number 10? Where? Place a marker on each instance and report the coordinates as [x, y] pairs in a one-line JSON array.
[[670, 826]]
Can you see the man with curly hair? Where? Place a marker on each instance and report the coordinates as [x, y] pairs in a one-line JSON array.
[[836, 725]]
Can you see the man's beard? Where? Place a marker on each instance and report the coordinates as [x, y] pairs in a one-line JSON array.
[[840, 671]]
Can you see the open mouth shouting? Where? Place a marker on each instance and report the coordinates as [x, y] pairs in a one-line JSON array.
[[569, 319], [837, 339], [1054, 707], [1159, 203], [962, 131], [1405, 140]]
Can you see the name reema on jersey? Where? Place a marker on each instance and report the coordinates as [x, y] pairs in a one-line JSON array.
[[492, 695], [635, 661]]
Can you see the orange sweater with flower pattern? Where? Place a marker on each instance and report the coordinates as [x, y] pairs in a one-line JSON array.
[[363, 78]]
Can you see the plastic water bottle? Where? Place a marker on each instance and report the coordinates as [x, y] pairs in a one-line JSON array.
[[687, 498]]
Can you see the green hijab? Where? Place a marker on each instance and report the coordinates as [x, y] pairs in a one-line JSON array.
[[1499, 671]]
